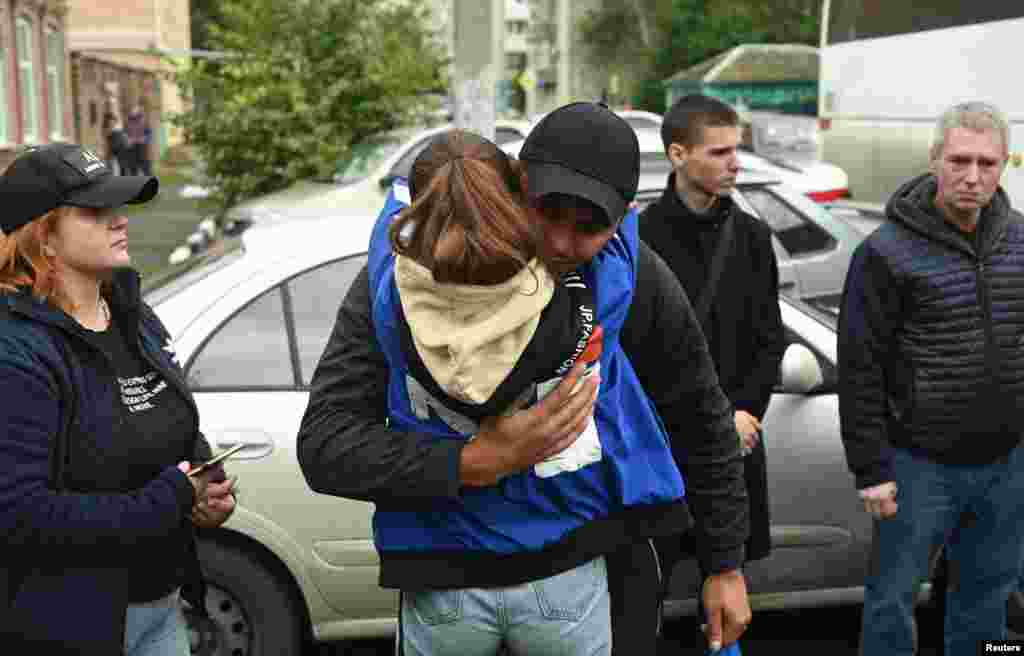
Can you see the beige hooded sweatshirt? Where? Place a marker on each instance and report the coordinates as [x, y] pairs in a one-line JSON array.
[[471, 336]]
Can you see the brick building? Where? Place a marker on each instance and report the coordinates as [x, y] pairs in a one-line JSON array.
[[120, 56], [35, 89], [99, 85]]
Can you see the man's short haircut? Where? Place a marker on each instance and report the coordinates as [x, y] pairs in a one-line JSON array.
[[974, 115], [685, 122]]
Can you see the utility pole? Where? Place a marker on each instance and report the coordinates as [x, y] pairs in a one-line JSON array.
[[564, 41], [479, 62]]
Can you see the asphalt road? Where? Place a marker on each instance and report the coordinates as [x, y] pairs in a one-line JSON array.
[[831, 631]]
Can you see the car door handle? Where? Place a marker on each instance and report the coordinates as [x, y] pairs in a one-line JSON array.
[[257, 443], [789, 284]]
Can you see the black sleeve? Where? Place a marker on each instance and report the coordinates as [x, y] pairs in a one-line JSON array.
[[869, 311], [344, 446], [769, 337], [201, 452], [664, 342]]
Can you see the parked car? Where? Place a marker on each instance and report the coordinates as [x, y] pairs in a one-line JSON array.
[[864, 217], [641, 120], [787, 136], [812, 247], [820, 181], [362, 178], [249, 319]]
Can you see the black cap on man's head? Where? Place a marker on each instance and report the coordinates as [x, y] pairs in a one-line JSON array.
[[586, 150], [62, 174]]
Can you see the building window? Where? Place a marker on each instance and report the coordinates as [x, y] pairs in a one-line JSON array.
[[25, 51], [55, 82], [4, 111]]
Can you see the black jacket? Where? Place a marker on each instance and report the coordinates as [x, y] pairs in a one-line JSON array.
[[930, 335], [744, 333], [62, 550], [744, 326], [345, 448]]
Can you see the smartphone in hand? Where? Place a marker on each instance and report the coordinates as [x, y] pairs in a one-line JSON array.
[[215, 462]]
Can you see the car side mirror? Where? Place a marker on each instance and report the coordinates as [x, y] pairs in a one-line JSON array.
[[387, 181], [800, 371]]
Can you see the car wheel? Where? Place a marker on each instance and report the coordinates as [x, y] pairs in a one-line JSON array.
[[252, 612], [1015, 614]]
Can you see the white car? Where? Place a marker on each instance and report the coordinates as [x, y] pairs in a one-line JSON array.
[[637, 119], [249, 319], [813, 248], [819, 180], [863, 216], [362, 179], [641, 120]]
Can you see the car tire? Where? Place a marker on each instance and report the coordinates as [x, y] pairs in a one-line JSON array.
[[252, 611]]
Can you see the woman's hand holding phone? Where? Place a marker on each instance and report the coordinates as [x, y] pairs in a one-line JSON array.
[[215, 498], [201, 480]]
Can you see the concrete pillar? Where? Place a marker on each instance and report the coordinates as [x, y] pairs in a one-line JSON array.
[[479, 61], [564, 41]]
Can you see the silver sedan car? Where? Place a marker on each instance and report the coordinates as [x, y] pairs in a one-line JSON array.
[[249, 320]]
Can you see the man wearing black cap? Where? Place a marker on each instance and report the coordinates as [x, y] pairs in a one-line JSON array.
[[581, 169]]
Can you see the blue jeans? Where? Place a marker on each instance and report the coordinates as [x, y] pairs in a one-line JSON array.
[[156, 628], [984, 553], [565, 615]]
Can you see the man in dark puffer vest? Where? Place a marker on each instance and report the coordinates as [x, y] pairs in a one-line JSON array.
[[932, 377]]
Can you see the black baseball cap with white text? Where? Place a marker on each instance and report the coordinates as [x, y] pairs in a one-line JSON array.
[[63, 174]]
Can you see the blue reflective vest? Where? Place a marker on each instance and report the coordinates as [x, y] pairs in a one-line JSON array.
[[533, 509]]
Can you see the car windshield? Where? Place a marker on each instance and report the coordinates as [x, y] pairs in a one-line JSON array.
[[364, 157], [170, 281]]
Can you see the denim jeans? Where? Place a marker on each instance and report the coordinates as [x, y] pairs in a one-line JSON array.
[[563, 615], [984, 553], [156, 628]]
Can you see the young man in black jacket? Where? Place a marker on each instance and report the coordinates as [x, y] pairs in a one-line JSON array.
[[694, 224], [346, 449]]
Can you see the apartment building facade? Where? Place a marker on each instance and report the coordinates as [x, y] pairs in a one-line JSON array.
[[35, 90]]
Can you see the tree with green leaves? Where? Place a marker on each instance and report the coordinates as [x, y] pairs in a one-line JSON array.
[[621, 36], [300, 80], [203, 14], [654, 39]]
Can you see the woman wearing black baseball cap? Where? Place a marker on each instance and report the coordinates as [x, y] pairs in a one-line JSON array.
[[97, 427]]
